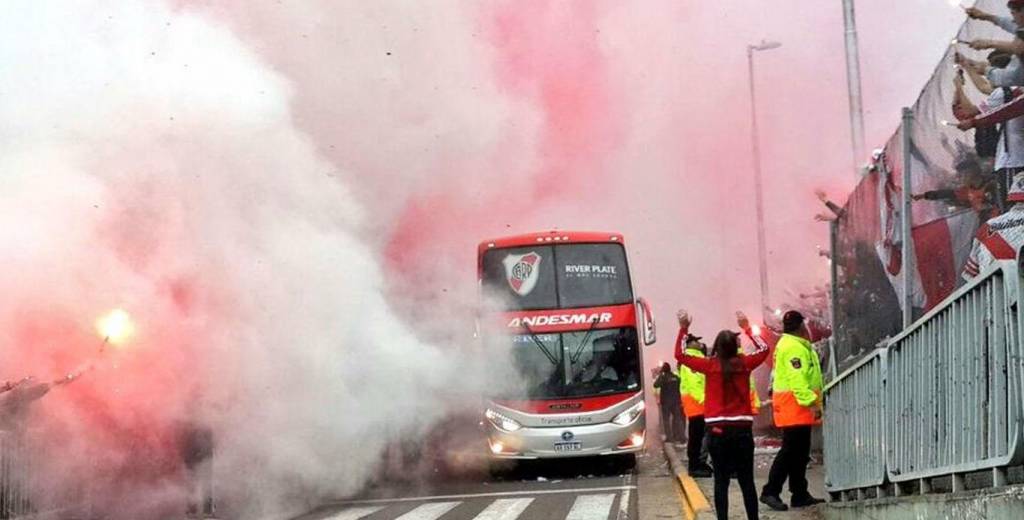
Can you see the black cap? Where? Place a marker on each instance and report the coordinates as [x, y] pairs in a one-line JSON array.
[[690, 338], [792, 321]]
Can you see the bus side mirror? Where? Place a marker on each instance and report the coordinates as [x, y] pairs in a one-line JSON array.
[[646, 320]]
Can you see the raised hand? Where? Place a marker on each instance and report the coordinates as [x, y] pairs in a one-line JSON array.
[[980, 44], [742, 320], [976, 14], [684, 318]]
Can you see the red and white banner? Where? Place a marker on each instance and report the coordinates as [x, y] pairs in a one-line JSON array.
[[946, 242]]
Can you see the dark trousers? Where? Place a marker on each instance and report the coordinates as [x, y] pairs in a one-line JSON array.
[[693, 444], [732, 450], [791, 462], [672, 415]]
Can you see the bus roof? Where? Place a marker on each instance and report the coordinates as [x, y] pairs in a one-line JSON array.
[[550, 237]]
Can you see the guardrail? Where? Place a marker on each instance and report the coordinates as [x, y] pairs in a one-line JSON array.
[[14, 475], [943, 398], [951, 402], [855, 427]]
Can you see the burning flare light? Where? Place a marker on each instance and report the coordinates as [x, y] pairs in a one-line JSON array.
[[115, 327]]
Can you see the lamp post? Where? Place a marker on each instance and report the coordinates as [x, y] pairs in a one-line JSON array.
[[853, 84], [762, 250]]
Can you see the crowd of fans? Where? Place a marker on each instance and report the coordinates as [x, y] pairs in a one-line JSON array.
[[983, 180], [987, 178], [987, 173]]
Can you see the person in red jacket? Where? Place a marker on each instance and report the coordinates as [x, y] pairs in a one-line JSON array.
[[729, 416]]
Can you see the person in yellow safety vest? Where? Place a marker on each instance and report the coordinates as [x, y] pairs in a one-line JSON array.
[[691, 387], [796, 405], [691, 384], [755, 400]]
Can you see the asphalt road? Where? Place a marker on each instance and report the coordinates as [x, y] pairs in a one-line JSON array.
[[570, 489]]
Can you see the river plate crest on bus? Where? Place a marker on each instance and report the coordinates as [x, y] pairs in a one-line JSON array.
[[522, 271]]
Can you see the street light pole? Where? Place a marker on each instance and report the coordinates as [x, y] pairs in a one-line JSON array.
[[762, 248], [853, 85]]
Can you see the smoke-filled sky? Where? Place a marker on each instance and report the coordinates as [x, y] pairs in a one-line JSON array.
[[461, 121], [277, 190]]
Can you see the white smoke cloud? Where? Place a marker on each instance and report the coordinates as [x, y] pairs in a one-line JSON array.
[[150, 161]]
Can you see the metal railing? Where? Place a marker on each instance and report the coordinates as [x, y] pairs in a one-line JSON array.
[[941, 399], [14, 475], [951, 407], [855, 427]]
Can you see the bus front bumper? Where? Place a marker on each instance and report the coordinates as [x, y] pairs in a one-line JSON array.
[[561, 442]]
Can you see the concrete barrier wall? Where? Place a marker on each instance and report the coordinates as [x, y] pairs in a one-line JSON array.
[[1005, 503]]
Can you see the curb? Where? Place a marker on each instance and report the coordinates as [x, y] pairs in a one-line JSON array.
[[695, 504]]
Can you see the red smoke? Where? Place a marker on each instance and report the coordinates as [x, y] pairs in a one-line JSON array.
[[592, 71], [547, 55]]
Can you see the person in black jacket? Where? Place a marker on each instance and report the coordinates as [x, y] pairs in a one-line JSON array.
[[671, 404]]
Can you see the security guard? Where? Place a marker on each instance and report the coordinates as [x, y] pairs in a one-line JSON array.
[[691, 386], [667, 385], [796, 404]]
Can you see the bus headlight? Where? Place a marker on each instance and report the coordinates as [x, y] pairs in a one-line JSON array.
[[630, 415], [501, 422]]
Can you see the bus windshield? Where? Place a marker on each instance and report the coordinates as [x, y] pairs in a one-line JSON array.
[[573, 364], [560, 276]]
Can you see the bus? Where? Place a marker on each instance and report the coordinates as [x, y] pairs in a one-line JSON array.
[[559, 309]]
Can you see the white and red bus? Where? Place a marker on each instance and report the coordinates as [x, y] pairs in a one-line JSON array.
[[560, 307]]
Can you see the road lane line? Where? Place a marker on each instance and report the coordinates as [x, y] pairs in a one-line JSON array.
[[591, 507], [355, 513], [624, 501], [623, 506], [504, 509], [431, 511], [481, 495]]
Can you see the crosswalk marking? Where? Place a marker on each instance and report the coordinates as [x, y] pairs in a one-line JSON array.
[[504, 509], [585, 507], [589, 507], [355, 513], [431, 511], [482, 495]]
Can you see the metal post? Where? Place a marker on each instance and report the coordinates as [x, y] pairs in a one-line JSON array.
[[833, 231], [762, 248], [907, 219], [853, 85]]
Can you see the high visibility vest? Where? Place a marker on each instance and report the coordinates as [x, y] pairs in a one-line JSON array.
[[755, 400], [797, 387], [691, 386]]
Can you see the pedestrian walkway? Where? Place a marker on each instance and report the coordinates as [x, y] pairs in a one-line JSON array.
[[762, 463], [591, 504]]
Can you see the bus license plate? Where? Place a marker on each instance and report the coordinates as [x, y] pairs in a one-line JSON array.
[[568, 446]]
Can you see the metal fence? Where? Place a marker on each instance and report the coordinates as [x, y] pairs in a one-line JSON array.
[[951, 406], [15, 461], [941, 399], [855, 430]]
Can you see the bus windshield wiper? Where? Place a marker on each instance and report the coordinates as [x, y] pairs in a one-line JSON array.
[[579, 348], [540, 345]]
